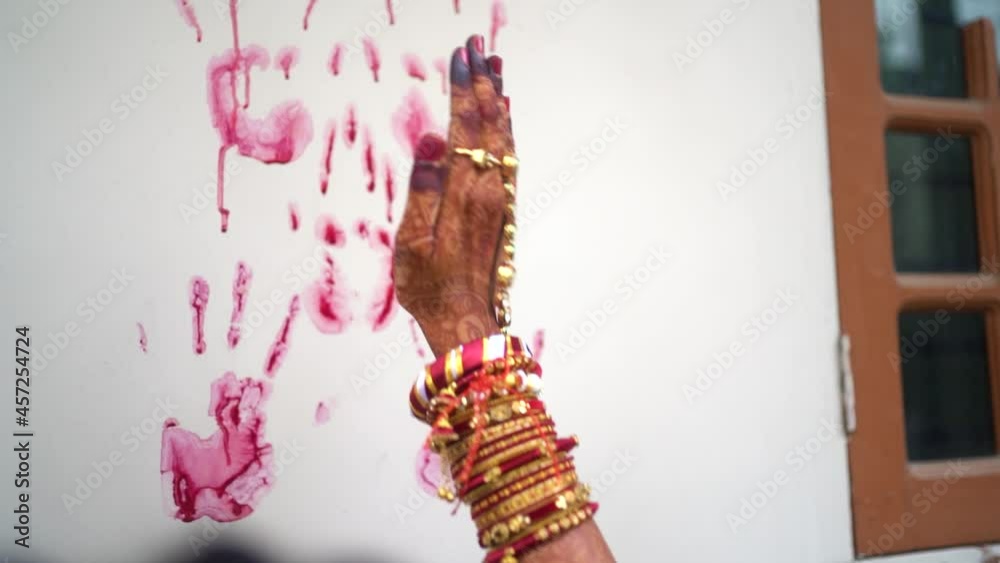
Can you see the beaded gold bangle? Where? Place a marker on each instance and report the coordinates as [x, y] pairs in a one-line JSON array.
[[556, 524], [527, 499], [522, 525]]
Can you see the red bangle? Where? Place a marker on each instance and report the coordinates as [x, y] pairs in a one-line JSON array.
[[562, 445]]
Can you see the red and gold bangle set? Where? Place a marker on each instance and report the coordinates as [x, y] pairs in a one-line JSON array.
[[500, 447]]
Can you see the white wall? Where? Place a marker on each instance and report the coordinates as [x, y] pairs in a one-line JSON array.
[[622, 391]]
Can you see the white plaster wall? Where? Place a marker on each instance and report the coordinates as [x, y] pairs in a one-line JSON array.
[[693, 459]]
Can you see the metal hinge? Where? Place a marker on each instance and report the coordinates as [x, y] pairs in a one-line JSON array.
[[847, 386]]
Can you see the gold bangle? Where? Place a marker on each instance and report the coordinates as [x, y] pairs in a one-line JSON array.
[[495, 432], [498, 484], [503, 407], [526, 499], [504, 492], [543, 446], [542, 530], [521, 525], [520, 436]]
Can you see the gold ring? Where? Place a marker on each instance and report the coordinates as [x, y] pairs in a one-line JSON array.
[[482, 159]]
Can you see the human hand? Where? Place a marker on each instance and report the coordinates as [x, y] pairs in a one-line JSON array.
[[448, 242]]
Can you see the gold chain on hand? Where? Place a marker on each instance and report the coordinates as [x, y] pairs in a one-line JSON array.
[[504, 278]]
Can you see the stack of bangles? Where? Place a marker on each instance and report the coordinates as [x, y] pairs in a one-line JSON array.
[[500, 446]]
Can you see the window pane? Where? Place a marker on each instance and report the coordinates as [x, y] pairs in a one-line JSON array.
[[946, 389], [920, 44], [933, 208]]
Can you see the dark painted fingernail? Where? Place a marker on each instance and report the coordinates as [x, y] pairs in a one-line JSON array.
[[496, 64], [460, 74], [478, 43], [431, 147], [476, 60]]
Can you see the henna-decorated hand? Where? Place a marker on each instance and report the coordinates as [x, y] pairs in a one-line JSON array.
[[447, 244]]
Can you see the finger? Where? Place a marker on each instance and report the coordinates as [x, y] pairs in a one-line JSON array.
[[496, 69], [430, 170], [463, 131]]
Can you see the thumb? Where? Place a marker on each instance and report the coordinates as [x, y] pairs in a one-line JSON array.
[[427, 180]]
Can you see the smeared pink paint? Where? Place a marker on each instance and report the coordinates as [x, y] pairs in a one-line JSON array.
[[287, 58], [326, 301], [199, 300], [428, 466], [328, 231], [143, 341], [390, 189], [412, 120], [441, 66], [309, 10], [368, 157], [538, 344], [293, 216], [391, 8], [417, 338], [331, 137], [372, 56], [458, 6], [498, 19], [350, 126], [384, 305], [277, 139], [322, 415], [414, 66], [187, 12], [225, 475], [335, 58], [241, 286], [362, 228], [279, 348]]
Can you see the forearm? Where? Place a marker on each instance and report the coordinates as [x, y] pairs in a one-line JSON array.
[[582, 545]]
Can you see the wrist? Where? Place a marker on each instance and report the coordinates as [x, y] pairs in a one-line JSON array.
[[443, 334]]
